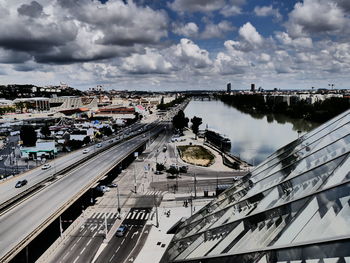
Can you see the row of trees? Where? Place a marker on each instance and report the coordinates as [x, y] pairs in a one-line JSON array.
[[320, 111], [180, 121]]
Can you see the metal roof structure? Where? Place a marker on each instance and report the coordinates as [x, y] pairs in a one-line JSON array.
[[293, 207]]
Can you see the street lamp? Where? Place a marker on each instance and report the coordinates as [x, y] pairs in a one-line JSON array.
[[119, 209]]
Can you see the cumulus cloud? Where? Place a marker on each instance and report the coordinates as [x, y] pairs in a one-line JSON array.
[[34, 9], [150, 62], [285, 39], [188, 30], [316, 16], [267, 11], [190, 53], [250, 35], [217, 30], [196, 5], [65, 31]]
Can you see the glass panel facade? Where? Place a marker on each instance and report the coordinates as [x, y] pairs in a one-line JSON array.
[[296, 200]]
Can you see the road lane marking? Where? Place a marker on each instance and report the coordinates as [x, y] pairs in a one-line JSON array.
[[111, 258], [123, 241], [76, 259], [81, 252], [89, 242]]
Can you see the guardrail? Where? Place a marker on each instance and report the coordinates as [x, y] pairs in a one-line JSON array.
[[9, 255]]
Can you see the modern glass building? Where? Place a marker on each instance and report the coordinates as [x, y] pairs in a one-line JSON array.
[[293, 207]]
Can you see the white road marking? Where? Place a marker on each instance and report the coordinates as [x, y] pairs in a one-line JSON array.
[[76, 259], [111, 258], [81, 252], [89, 242], [123, 241]]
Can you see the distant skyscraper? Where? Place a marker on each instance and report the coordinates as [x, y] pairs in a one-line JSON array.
[[228, 87], [252, 87]]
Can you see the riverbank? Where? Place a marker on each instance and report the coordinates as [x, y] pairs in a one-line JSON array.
[[319, 111]]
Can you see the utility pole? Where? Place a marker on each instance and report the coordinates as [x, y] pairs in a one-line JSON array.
[[155, 204], [119, 209], [106, 230], [135, 182], [195, 186]]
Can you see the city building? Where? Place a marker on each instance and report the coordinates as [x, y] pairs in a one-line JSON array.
[[293, 207], [228, 88], [252, 87], [42, 149]]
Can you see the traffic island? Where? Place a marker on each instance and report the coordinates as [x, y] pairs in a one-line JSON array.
[[196, 155]]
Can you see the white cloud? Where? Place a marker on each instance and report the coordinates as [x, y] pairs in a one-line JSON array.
[[189, 53], [285, 39], [249, 34], [316, 16], [217, 30], [267, 11], [151, 62], [183, 6], [188, 30]]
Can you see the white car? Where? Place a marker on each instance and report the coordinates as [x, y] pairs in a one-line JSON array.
[[46, 166], [86, 151], [99, 145]]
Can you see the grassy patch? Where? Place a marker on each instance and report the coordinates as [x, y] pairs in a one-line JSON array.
[[196, 154]]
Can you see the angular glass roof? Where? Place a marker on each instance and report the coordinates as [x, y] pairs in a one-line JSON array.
[[293, 207]]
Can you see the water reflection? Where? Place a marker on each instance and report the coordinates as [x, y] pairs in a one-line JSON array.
[[253, 136]]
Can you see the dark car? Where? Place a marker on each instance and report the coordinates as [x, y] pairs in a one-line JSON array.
[[183, 169], [121, 231], [21, 183]]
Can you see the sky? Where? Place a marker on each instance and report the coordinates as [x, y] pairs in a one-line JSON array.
[[176, 44]]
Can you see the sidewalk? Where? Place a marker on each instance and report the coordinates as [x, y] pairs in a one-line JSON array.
[[158, 239]]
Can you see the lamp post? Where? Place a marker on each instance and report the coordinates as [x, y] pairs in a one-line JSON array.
[[119, 209]]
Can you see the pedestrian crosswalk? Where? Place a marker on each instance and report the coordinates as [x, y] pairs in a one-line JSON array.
[[138, 215], [154, 193], [101, 215]]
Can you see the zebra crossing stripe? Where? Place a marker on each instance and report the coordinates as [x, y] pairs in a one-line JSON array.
[[93, 215], [146, 216], [139, 216], [99, 215], [111, 216], [134, 216], [129, 215]]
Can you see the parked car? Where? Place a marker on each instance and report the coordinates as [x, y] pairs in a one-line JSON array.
[[103, 188], [21, 183], [46, 166], [112, 185], [99, 145], [121, 231], [183, 169], [86, 151]]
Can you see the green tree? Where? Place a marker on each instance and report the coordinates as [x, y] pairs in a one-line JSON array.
[[106, 130], [28, 135], [45, 131], [180, 121], [87, 140], [196, 122]]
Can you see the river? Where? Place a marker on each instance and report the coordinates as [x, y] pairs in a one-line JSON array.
[[253, 138]]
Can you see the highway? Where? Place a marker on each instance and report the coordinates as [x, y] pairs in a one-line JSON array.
[[43, 207], [37, 175]]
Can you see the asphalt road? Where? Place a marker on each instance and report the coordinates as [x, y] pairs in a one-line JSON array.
[[34, 176], [119, 249], [51, 199], [83, 245]]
